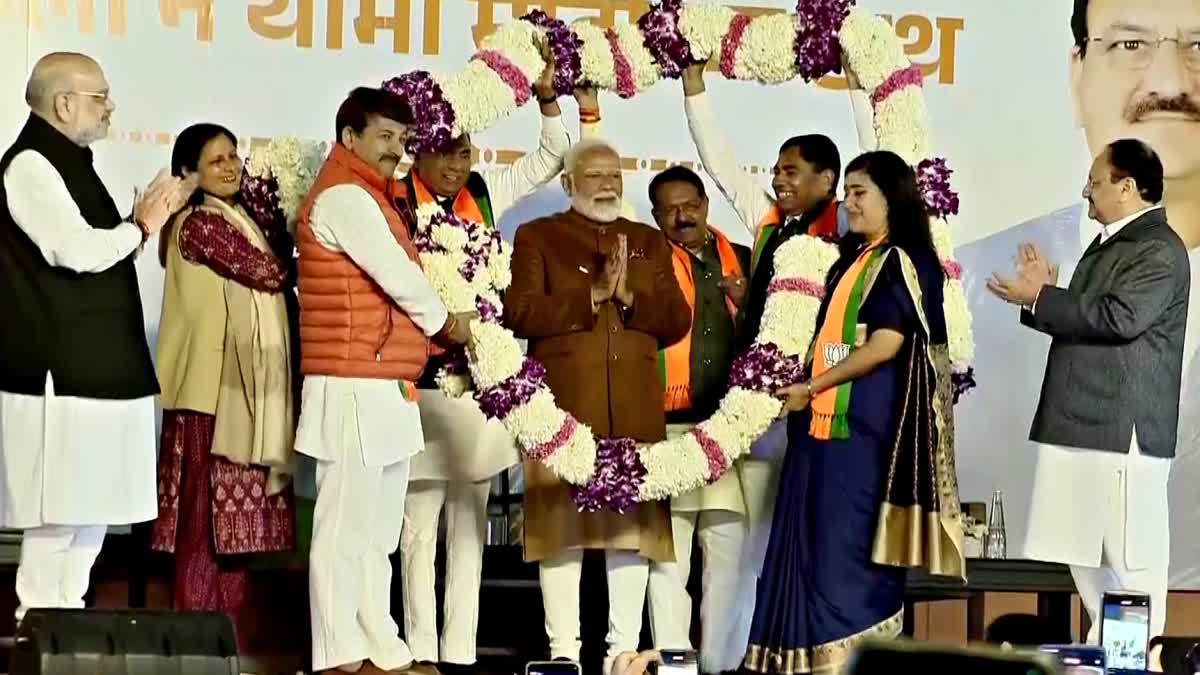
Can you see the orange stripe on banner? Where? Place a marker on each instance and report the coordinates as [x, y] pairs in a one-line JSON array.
[[501, 156]]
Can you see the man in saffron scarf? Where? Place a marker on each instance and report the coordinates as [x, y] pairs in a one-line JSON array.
[[463, 450], [367, 318], [709, 270], [805, 179], [595, 296]]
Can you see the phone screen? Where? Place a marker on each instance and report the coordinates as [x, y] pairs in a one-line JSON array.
[[1125, 631], [1078, 659], [552, 668], [678, 662]]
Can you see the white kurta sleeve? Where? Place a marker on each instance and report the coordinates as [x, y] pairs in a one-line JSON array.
[[345, 218], [747, 197], [864, 119], [506, 185], [42, 207]]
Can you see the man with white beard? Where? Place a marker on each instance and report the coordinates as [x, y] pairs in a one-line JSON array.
[[596, 297]]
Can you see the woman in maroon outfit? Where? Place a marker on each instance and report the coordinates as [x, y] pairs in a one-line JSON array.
[[226, 370]]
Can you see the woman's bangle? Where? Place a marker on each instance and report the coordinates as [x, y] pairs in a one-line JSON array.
[[589, 116], [811, 393]]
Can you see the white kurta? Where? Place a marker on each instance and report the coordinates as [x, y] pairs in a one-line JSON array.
[[61, 456], [362, 432], [461, 444]]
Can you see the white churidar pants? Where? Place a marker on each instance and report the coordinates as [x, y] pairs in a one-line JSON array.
[[727, 596], [356, 526], [465, 505], [56, 565], [628, 574]]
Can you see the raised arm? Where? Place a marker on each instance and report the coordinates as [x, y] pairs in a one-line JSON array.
[[507, 185], [862, 109], [591, 127], [346, 218], [747, 197], [531, 309], [1138, 295]]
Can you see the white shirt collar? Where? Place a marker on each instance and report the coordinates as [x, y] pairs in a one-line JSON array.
[[1107, 231]]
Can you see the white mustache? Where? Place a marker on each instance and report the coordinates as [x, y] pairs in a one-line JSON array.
[[604, 195]]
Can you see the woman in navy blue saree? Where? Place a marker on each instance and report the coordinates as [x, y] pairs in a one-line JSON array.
[[868, 486]]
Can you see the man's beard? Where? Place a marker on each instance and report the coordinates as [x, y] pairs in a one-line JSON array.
[[593, 209], [96, 132]]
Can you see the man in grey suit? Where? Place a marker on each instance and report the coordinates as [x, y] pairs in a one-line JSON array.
[[1106, 422], [1134, 72]]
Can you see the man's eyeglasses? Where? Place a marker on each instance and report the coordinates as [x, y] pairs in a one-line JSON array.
[[101, 96], [1129, 50], [676, 210]]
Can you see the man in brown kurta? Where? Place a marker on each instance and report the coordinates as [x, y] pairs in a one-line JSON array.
[[596, 297]]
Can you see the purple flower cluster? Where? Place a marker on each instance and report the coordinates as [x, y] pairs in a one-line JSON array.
[[260, 197], [660, 31], [933, 177], [615, 484], [962, 382], [488, 313], [481, 241], [433, 116], [454, 362], [499, 401], [564, 46], [765, 368], [818, 22]]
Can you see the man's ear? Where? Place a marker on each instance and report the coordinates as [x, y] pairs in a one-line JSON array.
[[347, 137], [1075, 71], [566, 183]]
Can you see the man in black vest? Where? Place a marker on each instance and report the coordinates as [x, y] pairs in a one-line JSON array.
[[77, 386]]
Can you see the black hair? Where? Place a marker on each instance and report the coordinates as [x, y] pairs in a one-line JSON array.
[[1079, 28], [674, 174], [365, 102], [908, 219], [818, 150], [186, 155], [1130, 158]]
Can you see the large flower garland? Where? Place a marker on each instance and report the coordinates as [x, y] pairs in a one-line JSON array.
[[768, 48], [276, 177], [614, 474]]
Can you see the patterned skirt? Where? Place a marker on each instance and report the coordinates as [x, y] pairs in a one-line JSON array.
[[244, 519]]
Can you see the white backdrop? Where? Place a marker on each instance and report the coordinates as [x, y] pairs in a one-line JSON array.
[[1000, 105]]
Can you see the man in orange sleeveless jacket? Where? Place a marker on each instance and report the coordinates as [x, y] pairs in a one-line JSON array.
[[367, 316]]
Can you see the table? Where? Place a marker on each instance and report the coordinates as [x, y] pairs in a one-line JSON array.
[[1051, 582]]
